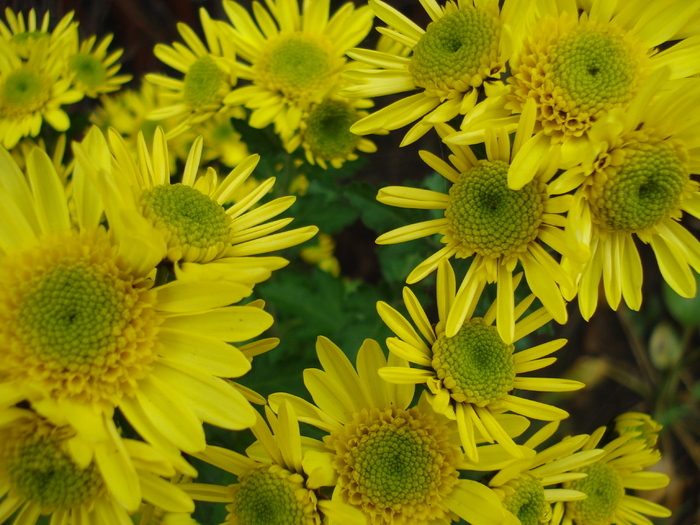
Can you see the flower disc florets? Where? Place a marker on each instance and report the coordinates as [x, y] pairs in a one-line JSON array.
[[23, 92], [395, 465], [74, 320], [34, 462], [204, 82], [475, 365], [641, 183], [89, 71], [489, 218], [457, 52], [271, 495], [604, 489], [327, 131], [525, 499]]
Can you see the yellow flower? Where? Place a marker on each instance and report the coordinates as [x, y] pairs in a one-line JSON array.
[[276, 475], [322, 255], [498, 226], [292, 59], [32, 91], [84, 331], [396, 463], [47, 470], [637, 184], [460, 56], [607, 481], [93, 71], [189, 216], [576, 65], [23, 35], [209, 75], [471, 374], [642, 424]]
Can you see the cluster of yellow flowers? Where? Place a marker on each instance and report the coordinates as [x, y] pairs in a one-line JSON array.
[[126, 274]]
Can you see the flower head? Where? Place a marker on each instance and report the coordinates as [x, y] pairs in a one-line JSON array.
[[94, 71]]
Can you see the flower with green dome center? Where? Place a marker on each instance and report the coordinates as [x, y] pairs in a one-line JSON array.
[[203, 83], [475, 365], [23, 92], [525, 499], [457, 51], [89, 70], [327, 132], [642, 188], [271, 496], [39, 470], [604, 489], [395, 465], [73, 319], [190, 220], [488, 217], [296, 66]]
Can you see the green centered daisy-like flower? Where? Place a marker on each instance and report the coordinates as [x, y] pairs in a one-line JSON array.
[[189, 216], [32, 91], [39, 476], [395, 462], [636, 184], [22, 35], [471, 375], [292, 57], [93, 70], [578, 66], [209, 75], [458, 57], [498, 226], [528, 487], [278, 481], [609, 479], [84, 331]]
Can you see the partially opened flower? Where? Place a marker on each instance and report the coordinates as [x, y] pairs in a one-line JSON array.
[[275, 481], [193, 216], [609, 479], [40, 475], [292, 57], [395, 462], [84, 331], [497, 226], [473, 374], [459, 57], [636, 185]]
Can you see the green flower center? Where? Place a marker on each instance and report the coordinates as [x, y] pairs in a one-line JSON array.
[[296, 66], [396, 465], [203, 83], [195, 226], [605, 491], [643, 189], [475, 365], [40, 471], [327, 131], [272, 496], [526, 500], [74, 320], [89, 71], [489, 218], [456, 52], [23, 92]]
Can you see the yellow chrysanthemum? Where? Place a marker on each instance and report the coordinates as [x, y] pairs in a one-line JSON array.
[[577, 65], [278, 480], [84, 331], [32, 91], [191, 216], [460, 55], [322, 255], [324, 132], [396, 463], [528, 487], [607, 482], [641, 424], [209, 75], [45, 470], [93, 71], [498, 226], [292, 59], [472, 374], [637, 184], [23, 35]]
